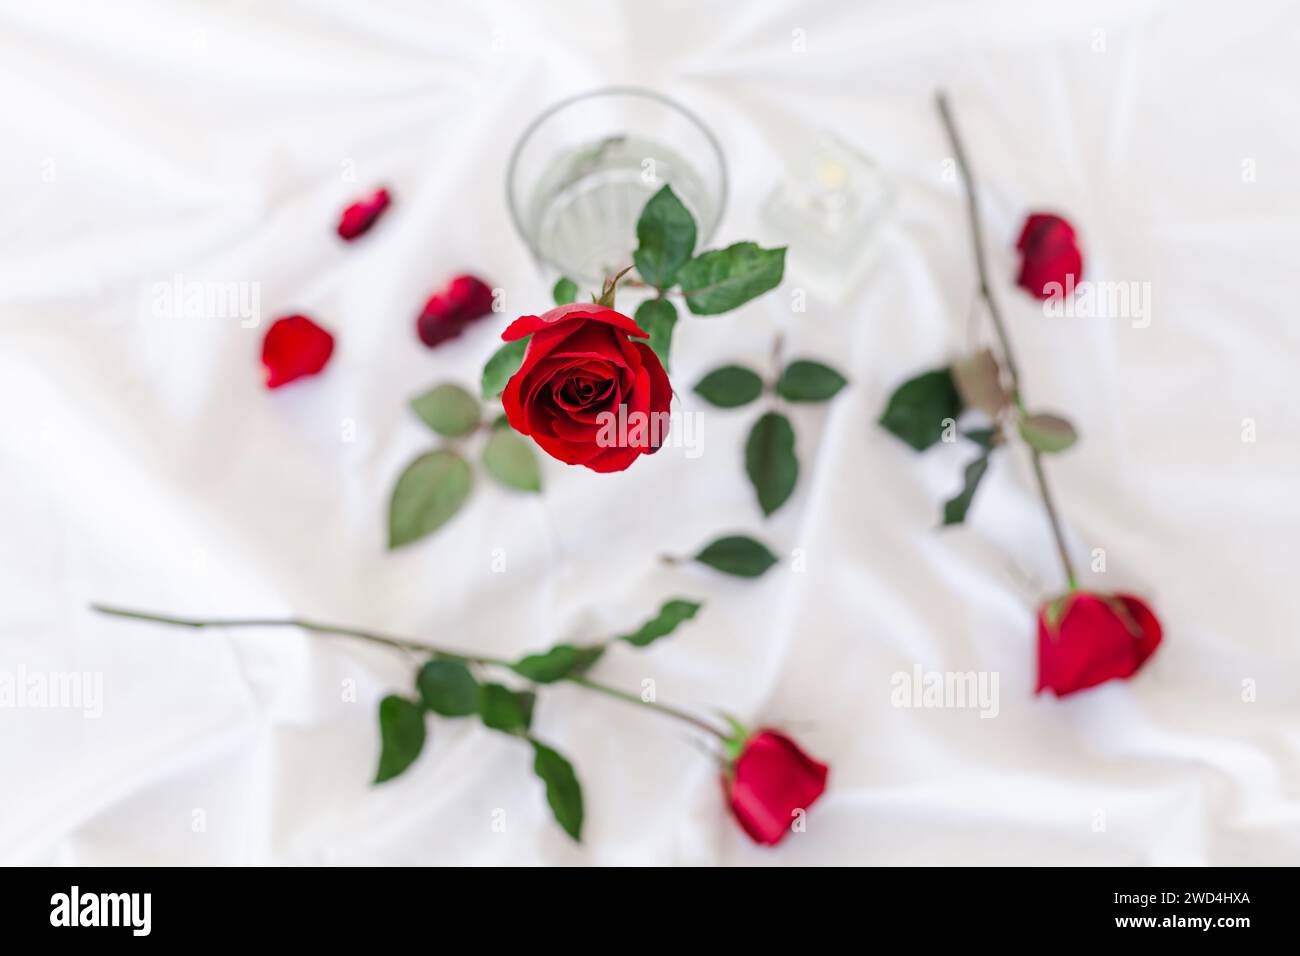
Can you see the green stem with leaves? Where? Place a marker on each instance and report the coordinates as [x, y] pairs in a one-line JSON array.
[[1008, 357], [402, 644]]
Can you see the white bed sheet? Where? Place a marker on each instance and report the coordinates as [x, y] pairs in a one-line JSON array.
[[143, 463]]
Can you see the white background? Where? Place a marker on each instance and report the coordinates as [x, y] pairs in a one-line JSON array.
[[143, 463]]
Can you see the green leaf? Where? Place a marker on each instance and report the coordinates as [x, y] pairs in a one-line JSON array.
[[565, 291], [730, 386], [509, 458], [986, 438], [587, 658], [658, 316], [770, 461], [401, 733], [954, 510], [501, 708], [804, 381], [725, 279], [449, 410], [429, 492], [561, 661], [738, 555], [662, 624], [665, 236], [503, 364], [979, 383], [1047, 433], [448, 688], [563, 792], [918, 408]]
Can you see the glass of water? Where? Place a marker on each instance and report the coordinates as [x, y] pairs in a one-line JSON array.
[[582, 171]]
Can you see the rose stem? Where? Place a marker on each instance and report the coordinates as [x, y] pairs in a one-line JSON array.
[[402, 644], [1008, 357], [665, 709], [778, 344]]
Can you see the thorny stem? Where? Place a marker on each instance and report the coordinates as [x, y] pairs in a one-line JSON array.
[[402, 644], [1008, 357]]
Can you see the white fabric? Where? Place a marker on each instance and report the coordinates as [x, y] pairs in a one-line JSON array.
[[144, 464]]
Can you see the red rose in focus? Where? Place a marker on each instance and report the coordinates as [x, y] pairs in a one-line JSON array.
[[447, 313], [1049, 254], [360, 216], [294, 346], [1085, 639], [770, 780], [581, 364]]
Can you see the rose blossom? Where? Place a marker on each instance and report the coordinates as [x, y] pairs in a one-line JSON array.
[[771, 780], [1049, 253], [580, 367], [1085, 639]]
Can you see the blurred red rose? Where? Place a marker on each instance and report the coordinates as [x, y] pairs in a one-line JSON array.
[[586, 393], [771, 780], [1085, 639], [448, 312], [1049, 253], [360, 216], [294, 347]]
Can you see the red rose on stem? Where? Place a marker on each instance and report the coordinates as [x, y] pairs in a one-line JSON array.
[[448, 312], [360, 216], [1051, 262], [294, 347], [771, 780], [581, 364], [1085, 639]]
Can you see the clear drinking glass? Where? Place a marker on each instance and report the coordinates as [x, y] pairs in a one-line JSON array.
[[582, 171]]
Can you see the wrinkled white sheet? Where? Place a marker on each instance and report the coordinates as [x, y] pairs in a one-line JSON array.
[[143, 463]]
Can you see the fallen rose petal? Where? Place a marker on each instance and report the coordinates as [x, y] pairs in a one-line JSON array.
[[294, 347], [360, 216], [447, 313]]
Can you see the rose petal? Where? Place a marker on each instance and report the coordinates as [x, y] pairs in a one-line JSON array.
[[448, 311], [357, 219], [294, 347], [575, 311]]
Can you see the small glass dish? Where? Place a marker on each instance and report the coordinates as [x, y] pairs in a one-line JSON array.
[[583, 170], [830, 203]]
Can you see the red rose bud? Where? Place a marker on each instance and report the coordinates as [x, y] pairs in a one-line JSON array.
[[360, 216], [770, 784], [1051, 263], [294, 347], [586, 393], [1086, 639], [447, 313]]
